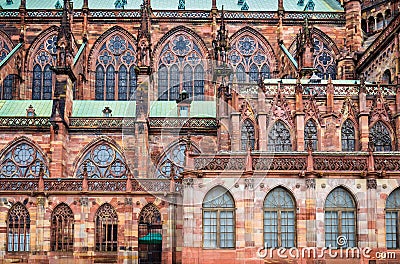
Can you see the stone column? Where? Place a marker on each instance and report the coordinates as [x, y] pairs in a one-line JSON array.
[[235, 134]]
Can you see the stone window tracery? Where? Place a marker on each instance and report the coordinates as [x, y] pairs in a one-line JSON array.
[[18, 228], [173, 161], [102, 161], [348, 136], [62, 229], [380, 136], [392, 220], [4, 49], [279, 138], [279, 219], [44, 58], [340, 219], [324, 60], [249, 58], [181, 67], [106, 228], [22, 161], [218, 219], [115, 70]]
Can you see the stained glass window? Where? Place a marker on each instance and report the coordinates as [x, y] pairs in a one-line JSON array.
[[348, 136], [279, 138], [248, 135], [62, 229], [279, 219], [106, 228], [117, 54], [22, 161], [340, 219], [8, 87], [310, 135], [380, 136], [181, 68], [218, 219], [44, 58], [18, 228], [103, 161], [199, 82], [392, 210], [249, 57]]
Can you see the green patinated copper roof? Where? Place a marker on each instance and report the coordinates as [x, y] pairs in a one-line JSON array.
[[95, 108], [232, 5], [169, 109], [86, 108], [18, 107]]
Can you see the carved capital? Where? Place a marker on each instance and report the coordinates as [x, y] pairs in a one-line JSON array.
[[248, 183], [310, 183], [371, 184], [188, 182]]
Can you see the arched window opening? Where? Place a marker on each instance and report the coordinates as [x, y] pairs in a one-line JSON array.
[[348, 136], [380, 136], [279, 138], [150, 235], [62, 229], [371, 24], [181, 68], [379, 21], [392, 219], [340, 219], [113, 81], [248, 135], [106, 228], [18, 229], [279, 219], [218, 219], [387, 77], [43, 78], [324, 60]]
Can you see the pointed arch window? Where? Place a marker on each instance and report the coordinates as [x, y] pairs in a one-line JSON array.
[[279, 219], [392, 220], [380, 137], [348, 136], [43, 79], [18, 229], [248, 135], [279, 138], [22, 161], [249, 57], [150, 235], [180, 68], [113, 81], [218, 219], [103, 161], [106, 228], [340, 219], [6, 93], [310, 135], [62, 228]]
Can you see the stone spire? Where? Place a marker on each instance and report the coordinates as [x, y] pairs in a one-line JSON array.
[[144, 40], [64, 39], [305, 50]]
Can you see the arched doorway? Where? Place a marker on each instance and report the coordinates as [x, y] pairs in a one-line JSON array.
[[150, 235]]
